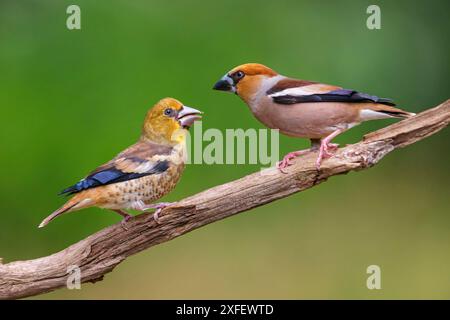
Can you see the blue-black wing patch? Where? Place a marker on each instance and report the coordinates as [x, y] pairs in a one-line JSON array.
[[112, 175], [341, 95]]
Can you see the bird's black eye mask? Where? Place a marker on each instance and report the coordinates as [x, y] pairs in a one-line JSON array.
[[237, 76]]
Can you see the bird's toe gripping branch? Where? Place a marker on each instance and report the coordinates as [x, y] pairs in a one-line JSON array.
[[158, 206], [326, 150], [287, 160]]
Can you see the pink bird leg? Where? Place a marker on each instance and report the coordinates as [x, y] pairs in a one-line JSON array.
[[324, 147]]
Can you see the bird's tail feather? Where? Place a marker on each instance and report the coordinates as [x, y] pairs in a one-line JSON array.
[[384, 111], [398, 113], [73, 204]]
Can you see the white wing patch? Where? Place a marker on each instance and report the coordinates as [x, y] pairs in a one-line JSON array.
[[145, 167], [305, 90], [367, 114], [298, 91]]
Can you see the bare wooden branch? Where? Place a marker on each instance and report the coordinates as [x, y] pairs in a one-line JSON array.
[[99, 253]]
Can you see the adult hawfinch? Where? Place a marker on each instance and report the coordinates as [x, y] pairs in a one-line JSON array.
[[305, 109]]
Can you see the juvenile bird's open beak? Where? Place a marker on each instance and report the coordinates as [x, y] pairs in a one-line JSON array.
[[187, 116], [225, 84]]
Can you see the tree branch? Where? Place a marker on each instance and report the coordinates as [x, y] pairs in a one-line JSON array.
[[99, 253]]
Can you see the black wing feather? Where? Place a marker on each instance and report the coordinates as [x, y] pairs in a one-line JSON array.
[[341, 95], [112, 175]]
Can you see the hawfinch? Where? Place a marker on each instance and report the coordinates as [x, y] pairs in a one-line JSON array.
[[305, 109], [142, 173]]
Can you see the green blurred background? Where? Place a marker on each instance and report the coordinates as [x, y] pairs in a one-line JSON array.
[[70, 100]]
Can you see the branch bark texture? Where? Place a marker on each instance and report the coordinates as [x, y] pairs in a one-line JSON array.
[[99, 253]]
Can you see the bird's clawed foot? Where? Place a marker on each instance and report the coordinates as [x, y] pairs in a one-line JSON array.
[[287, 160], [125, 220], [325, 151], [126, 217], [158, 207]]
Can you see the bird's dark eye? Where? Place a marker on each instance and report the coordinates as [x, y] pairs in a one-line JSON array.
[[168, 112], [239, 75]]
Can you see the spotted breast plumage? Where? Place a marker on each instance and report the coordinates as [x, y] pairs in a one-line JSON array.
[[142, 173]]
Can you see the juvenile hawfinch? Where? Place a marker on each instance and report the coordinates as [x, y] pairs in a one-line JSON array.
[[305, 109], [142, 173]]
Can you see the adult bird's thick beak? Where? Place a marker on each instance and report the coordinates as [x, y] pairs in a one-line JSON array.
[[187, 116], [224, 84]]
